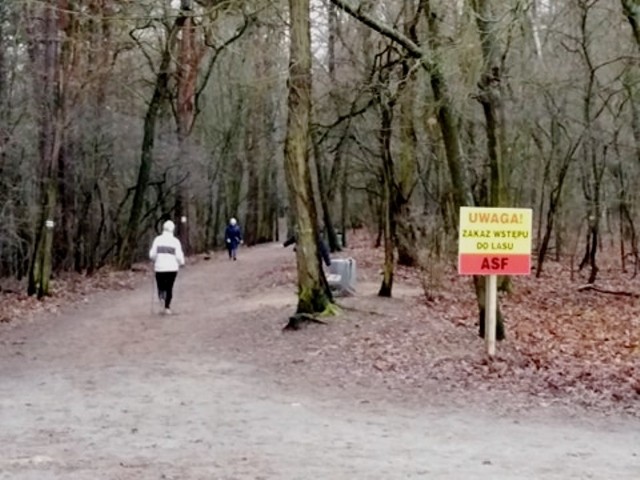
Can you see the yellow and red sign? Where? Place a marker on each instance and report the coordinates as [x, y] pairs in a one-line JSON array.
[[495, 241]]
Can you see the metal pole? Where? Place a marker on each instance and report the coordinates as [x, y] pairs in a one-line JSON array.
[[491, 307]]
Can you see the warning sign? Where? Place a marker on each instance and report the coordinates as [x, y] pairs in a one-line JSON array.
[[495, 241]]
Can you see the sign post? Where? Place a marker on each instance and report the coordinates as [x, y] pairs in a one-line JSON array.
[[492, 242], [490, 313]]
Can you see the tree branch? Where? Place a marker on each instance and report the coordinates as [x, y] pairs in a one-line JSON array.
[[622, 293], [357, 13], [248, 20]]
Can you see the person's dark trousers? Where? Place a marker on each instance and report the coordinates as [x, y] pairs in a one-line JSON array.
[[165, 281]]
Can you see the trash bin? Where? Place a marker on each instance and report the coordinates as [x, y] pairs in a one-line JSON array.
[[342, 276]]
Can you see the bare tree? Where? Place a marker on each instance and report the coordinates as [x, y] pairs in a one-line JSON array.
[[313, 292], [46, 48], [445, 111], [159, 98]]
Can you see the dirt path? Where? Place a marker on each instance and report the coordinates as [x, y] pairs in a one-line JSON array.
[[108, 391]]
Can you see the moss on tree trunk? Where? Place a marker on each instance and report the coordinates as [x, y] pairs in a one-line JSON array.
[[312, 300], [41, 266], [314, 295], [48, 92]]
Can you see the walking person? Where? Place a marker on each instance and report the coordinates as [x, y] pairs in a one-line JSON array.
[[167, 256], [232, 238]]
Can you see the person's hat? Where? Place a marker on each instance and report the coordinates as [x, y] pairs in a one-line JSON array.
[[233, 221], [168, 226]]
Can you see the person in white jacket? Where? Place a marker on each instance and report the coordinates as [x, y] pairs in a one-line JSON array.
[[167, 256]]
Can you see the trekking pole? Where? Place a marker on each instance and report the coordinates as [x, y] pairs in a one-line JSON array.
[[153, 293]]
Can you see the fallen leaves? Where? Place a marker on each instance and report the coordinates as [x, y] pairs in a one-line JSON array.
[[71, 287], [579, 348], [66, 288]]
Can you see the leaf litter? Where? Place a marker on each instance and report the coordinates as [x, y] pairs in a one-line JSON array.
[[70, 288], [564, 347]]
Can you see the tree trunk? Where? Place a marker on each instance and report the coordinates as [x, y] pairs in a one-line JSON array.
[[253, 198], [126, 254], [594, 166], [592, 191], [218, 223], [268, 221], [210, 233], [313, 292], [234, 176], [254, 151], [188, 60], [388, 207], [490, 98], [431, 62], [554, 202], [407, 171], [344, 203], [64, 244], [451, 138], [325, 203], [326, 179], [376, 207], [447, 119], [89, 235], [546, 239], [48, 92], [41, 267], [4, 90], [591, 250], [631, 233], [631, 9], [630, 85], [267, 231]]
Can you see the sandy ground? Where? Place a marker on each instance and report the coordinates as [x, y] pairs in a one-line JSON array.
[[107, 390]]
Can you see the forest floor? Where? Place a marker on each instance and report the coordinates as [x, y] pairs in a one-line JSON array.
[[93, 385]]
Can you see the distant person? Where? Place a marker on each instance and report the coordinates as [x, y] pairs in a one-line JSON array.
[[233, 238], [323, 251], [167, 256]]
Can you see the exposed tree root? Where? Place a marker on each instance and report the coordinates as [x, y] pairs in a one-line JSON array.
[[359, 310], [621, 293], [299, 320]]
